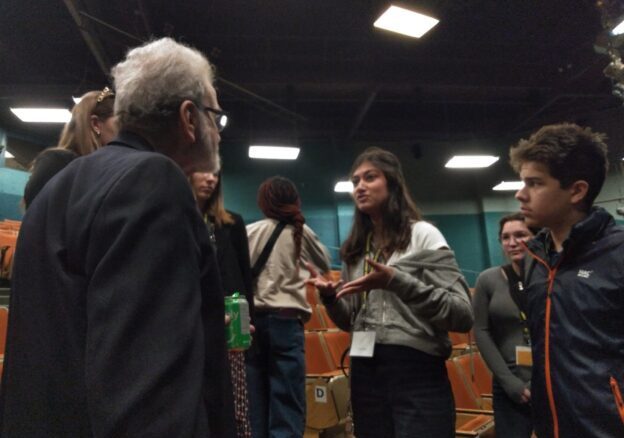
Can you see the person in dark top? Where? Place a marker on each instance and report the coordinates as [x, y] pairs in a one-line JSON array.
[[500, 330], [116, 326], [92, 125], [574, 283], [230, 238]]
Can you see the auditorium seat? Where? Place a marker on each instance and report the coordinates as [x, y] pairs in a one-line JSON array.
[[327, 321], [318, 360], [464, 391], [337, 343], [315, 322], [474, 370], [334, 275], [311, 295], [474, 425], [4, 320]]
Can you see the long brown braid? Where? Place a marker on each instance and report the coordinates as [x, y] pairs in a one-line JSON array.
[[278, 199]]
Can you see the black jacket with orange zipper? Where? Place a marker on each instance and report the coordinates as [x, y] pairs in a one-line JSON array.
[[576, 319]]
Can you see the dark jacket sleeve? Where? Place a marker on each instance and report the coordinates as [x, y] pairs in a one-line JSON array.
[[146, 343], [241, 246]]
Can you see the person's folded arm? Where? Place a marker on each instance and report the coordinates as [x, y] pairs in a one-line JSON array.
[[443, 299]]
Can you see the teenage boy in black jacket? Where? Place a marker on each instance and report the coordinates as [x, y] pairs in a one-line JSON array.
[[574, 281]]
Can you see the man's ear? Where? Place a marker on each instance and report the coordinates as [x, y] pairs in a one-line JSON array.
[[578, 191], [188, 121]]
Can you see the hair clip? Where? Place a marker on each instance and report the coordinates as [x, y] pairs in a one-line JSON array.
[[106, 92]]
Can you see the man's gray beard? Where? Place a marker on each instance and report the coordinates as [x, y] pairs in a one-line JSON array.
[[213, 164]]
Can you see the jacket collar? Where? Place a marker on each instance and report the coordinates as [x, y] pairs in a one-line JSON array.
[[131, 140], [587, 230]]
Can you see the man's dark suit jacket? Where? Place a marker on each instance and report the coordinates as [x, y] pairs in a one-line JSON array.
[[116, 313]]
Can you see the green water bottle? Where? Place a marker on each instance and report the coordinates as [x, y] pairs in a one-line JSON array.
[[237, 331]]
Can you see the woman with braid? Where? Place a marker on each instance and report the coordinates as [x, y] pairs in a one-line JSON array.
[[276, 362]]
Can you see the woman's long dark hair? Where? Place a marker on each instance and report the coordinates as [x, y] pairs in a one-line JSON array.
[[398, 212], [278, 199]]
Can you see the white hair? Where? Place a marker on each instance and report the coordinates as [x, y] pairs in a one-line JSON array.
[[158, 76]]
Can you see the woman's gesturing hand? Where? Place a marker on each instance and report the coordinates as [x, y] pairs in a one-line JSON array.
[[379, 278], [325, 287]]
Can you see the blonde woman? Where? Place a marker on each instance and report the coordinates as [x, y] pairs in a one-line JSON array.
[[92, 125]]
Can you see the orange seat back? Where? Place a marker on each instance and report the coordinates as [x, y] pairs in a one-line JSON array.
[[475, 371], [459, 338], [337, 343], [317, 359], [462, 393], [334, 275], [327, 321], [8, 240], [4, 321], [311, 295], [315, 322]]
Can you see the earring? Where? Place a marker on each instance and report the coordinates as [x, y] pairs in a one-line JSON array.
[[97, 132]]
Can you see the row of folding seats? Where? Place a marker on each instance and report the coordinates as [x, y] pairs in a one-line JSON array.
[[471, 383]]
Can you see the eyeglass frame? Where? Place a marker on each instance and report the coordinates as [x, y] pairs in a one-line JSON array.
[[219, 114]]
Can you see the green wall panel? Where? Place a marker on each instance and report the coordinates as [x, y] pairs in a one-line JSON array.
[[10, 207], [464, 234]]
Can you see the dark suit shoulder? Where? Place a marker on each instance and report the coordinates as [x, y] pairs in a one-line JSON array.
[[113, 164]]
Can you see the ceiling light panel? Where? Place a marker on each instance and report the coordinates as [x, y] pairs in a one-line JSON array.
[[619, 29], [471, 161], [509, 186], [343, 187], [405, 22], [42, 115], [273, 152]]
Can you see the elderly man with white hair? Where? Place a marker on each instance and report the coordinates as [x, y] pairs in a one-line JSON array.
[[116, 314]]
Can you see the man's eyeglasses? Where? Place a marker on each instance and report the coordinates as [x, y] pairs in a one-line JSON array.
[[220, 118]]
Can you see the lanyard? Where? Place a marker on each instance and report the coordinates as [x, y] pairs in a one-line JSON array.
[[516, 290], [376, 257], [523, 319]]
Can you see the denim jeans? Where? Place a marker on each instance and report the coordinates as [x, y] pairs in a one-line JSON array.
[[276, 377], [512, 420], [401, 393]]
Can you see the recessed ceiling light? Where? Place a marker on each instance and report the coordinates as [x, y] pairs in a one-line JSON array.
[[619, 28], [273, 152], [405, 22], [343, 187], [471, 161], [42, 115], [509, 186]]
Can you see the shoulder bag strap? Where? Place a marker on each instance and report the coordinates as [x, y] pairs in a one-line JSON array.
[[264, 255]]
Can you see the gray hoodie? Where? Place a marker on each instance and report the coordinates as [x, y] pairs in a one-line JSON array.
[[427, 297]]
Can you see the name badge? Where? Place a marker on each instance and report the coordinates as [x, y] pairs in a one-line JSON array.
[[362, 344], [523, 356]]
